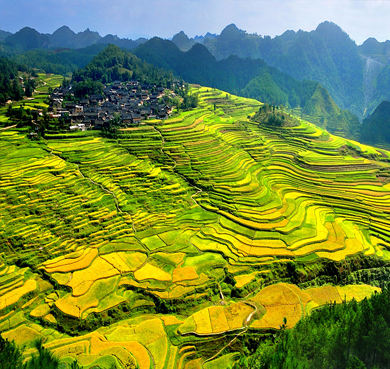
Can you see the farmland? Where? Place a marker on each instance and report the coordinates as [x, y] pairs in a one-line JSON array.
[[38, 101], [162, 246]]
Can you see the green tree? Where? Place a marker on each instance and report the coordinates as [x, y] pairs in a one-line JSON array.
[[17, 92], [10, 355], [44, 359]]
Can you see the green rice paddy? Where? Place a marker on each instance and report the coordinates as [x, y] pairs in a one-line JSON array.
[[108, 245]]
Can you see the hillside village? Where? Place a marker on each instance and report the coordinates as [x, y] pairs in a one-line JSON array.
[[126, 102]]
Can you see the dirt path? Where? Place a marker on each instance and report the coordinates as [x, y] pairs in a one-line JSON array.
[[162, 146], [102, 187], [222, 302], [246, 324], [3, 129]]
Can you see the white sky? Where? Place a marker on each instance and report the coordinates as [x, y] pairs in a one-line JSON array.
[[164, 18]]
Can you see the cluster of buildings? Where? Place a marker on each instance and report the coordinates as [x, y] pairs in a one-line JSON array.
[[130, 102]]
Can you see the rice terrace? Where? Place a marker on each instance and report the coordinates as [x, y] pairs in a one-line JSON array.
[[172, 243]]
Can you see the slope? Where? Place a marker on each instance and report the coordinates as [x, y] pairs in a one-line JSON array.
[[112, 64], [326, 55], [376, 128], [163, 246], [251, 78]]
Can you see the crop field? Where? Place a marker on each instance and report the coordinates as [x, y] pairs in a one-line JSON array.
[[37, 101], [161, 246]]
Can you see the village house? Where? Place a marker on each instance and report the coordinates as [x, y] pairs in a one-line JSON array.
[[126, 100]]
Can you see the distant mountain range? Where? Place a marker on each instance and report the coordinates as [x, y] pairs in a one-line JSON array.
[[251, 78], [28, 39], [357, 77]]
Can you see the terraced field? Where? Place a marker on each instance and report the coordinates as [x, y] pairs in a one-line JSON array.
[[39, 99], [126, 251]]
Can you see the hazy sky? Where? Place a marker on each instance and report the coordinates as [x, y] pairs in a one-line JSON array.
[[134, 18]]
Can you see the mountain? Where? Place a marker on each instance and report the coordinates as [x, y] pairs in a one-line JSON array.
[[200, 39], [62, 37], [4, 35], [233, 41], [376, 68], [121, 42], [182, 41], [326, 55], [251, 78], [113, 64], [28, 38], [59, 61], [324, 112], [85, 38], [376, 128], [355, 76], [372, 47]]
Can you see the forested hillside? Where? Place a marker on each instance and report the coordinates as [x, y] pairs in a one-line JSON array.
[[376, 128], [355, 76], [326, 55], [29, 39], [347, 336], [63, 61], [251, 78], [113, 64], [10, 86]]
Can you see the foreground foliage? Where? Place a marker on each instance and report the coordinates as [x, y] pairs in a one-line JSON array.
[[11, 357], [350, 335]]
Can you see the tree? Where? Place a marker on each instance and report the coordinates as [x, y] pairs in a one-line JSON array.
[[355, 363], [10, 355], [45, 358], [17, 92], [29, 86]]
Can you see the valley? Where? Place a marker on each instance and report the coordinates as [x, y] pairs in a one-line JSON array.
[[177, 241]]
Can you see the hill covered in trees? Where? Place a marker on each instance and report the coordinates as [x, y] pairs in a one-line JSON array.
[[251, 78], [62, 61], [376, 128], [347, 336], [326, 55], [114, 64], [355, 76], [10, 84]]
